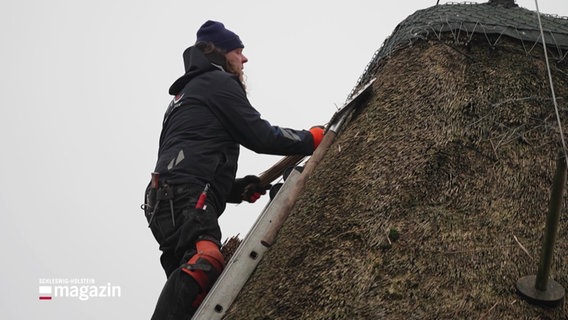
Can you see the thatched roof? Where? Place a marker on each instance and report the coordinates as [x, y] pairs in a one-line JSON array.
[[502, 18], [460, 22], [431, 203]]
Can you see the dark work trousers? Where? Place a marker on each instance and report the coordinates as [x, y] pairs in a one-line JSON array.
[[177, 243]]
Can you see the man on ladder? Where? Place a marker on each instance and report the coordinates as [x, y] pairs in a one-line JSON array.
[[203, 128]]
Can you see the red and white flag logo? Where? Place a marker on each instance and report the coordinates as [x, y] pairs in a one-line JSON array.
[[44, 292]]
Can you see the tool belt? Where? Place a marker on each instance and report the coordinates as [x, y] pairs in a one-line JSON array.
[[155, 194], [163, 192], [154, 197]]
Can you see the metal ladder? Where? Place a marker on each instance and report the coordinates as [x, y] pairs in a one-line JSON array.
[[245, 259]]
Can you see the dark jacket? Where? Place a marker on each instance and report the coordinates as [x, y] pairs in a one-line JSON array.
[[209, 117]]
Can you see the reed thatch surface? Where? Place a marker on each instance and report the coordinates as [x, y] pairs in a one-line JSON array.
[[230, 246], [431, 204]]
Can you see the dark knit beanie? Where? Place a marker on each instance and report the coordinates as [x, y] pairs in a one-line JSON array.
[[213, 31]]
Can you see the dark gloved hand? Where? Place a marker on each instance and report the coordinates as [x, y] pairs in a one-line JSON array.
[[317, 133], [248, 189]]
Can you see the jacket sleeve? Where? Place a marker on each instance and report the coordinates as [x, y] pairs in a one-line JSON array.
[[245, 124]]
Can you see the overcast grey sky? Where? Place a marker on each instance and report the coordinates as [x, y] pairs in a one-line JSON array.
[[83, 90]]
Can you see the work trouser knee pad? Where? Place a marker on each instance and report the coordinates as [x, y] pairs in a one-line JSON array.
[[204, 267]]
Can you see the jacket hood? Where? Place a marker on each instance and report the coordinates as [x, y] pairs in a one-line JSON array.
[[195, 63]]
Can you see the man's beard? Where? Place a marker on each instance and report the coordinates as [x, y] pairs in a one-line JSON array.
[[238, 72]]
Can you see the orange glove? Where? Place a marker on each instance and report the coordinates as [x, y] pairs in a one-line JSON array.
[[317, 133]]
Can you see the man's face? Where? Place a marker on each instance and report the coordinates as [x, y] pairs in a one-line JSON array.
[[236, 58]]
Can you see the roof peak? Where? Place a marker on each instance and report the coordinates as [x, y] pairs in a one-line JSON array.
[[504, 3]]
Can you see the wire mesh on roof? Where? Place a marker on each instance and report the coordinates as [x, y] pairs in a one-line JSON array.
[[462, 20]]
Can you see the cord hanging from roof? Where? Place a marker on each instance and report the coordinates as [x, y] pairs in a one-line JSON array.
[[551, 83]]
